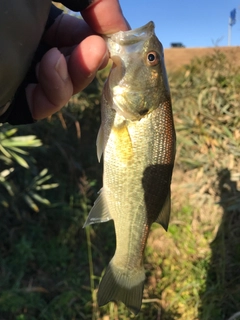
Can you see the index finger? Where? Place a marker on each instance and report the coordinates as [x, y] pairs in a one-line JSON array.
[[105, 17]]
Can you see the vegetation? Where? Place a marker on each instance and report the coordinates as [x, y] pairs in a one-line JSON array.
[[49, 177]]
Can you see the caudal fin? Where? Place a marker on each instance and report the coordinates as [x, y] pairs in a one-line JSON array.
[[122, 285]]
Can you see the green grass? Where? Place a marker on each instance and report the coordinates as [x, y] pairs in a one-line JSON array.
[[50, 266]]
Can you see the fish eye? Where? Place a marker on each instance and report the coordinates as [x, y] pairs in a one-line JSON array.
[[152, 58]]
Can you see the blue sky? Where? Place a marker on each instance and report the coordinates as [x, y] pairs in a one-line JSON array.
[[194, 23]]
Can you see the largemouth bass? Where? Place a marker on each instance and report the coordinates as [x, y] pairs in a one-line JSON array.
[[137, 140]]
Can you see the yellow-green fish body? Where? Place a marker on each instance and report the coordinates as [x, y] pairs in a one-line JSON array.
[[137, 139]]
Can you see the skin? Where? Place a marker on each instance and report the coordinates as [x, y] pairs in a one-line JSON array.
[[77, 54]]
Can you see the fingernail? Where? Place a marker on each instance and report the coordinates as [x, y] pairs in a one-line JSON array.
[[104, 61], [61, 68]]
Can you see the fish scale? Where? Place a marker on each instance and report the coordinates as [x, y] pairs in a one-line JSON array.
[[137, 140]]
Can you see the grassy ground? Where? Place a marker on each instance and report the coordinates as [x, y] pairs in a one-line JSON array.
[[50, 267], [206, 255]]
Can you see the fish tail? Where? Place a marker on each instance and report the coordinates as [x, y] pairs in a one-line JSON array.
[[119, 284]]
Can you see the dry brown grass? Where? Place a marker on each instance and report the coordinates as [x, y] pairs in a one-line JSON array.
[[177, 57]]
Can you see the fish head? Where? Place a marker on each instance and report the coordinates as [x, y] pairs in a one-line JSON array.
[[138, 81]]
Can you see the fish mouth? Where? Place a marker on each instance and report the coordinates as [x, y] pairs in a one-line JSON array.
[[131, 36], [123, 42]]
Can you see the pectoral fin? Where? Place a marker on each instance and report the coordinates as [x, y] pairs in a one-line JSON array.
[[100, 143], [99, 212], [164, 215]]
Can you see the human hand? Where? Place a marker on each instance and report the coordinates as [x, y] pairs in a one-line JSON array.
[[77, 54]]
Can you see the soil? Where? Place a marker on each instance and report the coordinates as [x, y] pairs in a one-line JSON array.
[[177, 57]]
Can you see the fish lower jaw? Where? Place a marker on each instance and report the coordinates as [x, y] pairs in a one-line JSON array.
[[120, 106]]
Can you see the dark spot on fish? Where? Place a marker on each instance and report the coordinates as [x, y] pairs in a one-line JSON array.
[[156, 182]]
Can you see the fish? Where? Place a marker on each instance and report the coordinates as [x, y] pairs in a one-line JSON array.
[[137, 140]]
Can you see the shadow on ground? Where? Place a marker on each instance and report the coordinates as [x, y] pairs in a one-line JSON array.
[[221, 297]]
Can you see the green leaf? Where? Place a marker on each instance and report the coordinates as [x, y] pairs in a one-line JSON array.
[[11, 132], [41, 181], [22, 141], [43, 172], [31, 203], [4, 151], [40, 199], [47, 186], [6, 172], [22, 162], [18, 150]]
